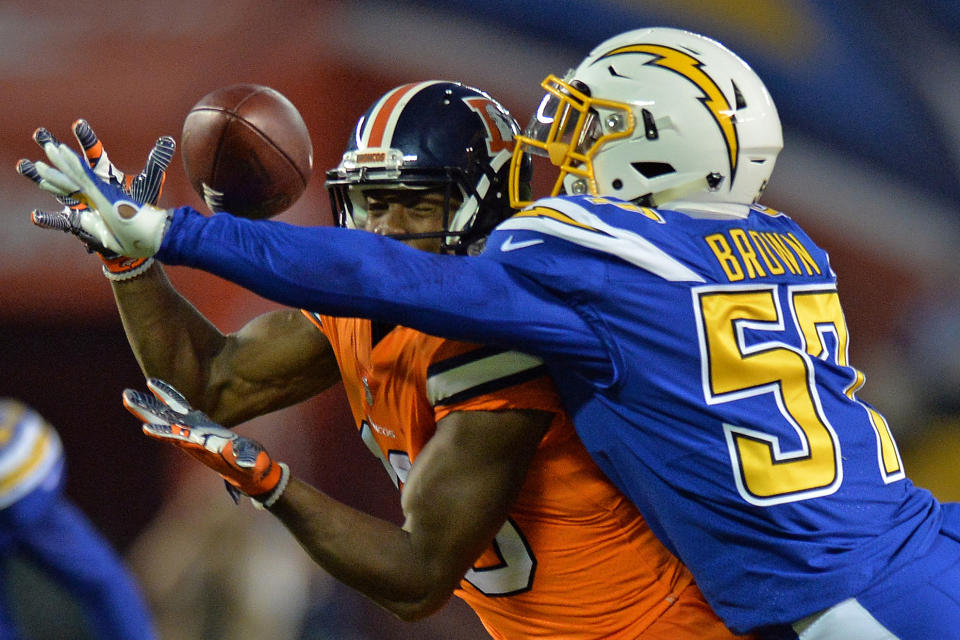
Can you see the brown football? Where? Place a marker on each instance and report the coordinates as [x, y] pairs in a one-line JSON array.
[[246, 150]]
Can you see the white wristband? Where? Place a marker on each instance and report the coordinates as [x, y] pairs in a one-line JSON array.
[[127, 275], [272, 499]]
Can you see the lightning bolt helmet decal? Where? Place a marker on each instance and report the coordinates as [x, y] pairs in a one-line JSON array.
[[713, 98]]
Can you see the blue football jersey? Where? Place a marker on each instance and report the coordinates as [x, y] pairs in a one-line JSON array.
[[702, 357], [730, 414]]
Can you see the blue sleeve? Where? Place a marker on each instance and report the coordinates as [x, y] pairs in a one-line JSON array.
[[346, 272]]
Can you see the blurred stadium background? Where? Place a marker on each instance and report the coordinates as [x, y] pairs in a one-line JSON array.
[[867, 95]]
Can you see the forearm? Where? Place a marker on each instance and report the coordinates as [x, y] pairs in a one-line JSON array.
[[347, 272], [335, 271], [170, 339], [373, 556]]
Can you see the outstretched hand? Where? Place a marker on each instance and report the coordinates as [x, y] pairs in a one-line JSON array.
[[243, 463], [147, 185], [91, 191]]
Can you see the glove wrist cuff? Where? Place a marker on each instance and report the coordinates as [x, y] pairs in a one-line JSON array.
[[124, 268], [268, 500]]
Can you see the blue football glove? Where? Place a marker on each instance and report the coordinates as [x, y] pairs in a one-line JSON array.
[[95, 191]]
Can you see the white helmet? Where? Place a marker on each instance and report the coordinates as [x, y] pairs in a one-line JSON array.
[[656, 115]]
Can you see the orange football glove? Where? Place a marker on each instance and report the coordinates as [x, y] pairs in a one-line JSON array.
[[243, 463], [144, 188]]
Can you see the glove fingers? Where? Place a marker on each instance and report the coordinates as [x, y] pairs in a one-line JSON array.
[[246, 452], [91, 145], [54, 181], [148, 409], [59, 220], [86, 137], [182, 437], [65, 162], [27, 169], [147, 186], [69, 221], [117, 223], [169, 396], [87, 186], [97, 156], [174, 407], [162, 431], [42, 136]]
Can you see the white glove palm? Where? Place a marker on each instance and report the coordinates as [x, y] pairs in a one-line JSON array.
[[116, 220]]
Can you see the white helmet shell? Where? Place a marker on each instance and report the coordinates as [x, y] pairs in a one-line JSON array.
[[664, 114]]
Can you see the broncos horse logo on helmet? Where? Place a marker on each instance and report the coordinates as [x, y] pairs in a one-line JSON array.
[[397, 144]]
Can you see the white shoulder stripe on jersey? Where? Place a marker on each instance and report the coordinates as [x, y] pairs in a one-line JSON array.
[[475, 373], [621, 243]]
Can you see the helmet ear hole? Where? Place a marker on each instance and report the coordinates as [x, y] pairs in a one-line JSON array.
[[651, 170], [741, 102]]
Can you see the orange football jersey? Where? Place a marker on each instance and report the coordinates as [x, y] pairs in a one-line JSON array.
[[575, 559]]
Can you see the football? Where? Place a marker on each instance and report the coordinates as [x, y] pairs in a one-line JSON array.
[[246, 150]]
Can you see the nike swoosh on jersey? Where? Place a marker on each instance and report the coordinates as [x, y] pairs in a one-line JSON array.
[[510, 245]]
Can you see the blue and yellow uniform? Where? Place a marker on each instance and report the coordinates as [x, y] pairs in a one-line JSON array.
[[702, 354], [40, 524]]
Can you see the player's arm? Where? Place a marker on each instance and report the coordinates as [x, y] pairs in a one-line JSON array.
[[355, 273], [274, 361], [336, 271], [456, 498]]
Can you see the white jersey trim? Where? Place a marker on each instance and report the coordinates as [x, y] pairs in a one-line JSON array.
[[594, 233], [475, 373], [845, 620]]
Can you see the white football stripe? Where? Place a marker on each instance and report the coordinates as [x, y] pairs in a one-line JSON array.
[[623, 244], [377, 131], [477, 372]]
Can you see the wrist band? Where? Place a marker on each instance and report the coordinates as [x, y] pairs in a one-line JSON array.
[[272, 499], [127, 268]]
